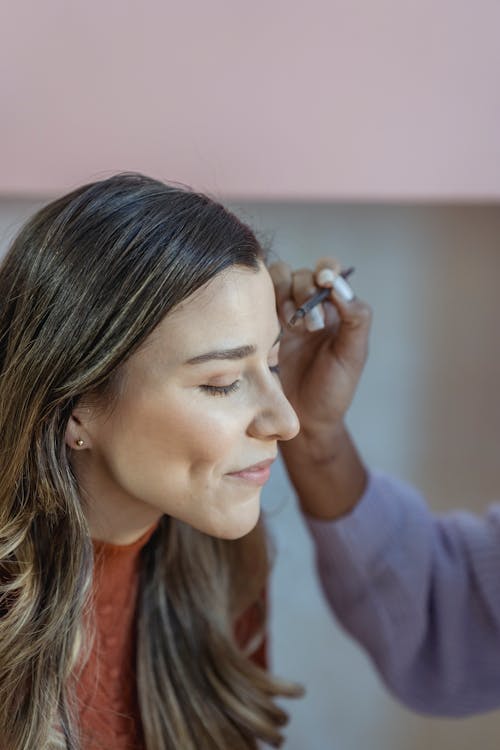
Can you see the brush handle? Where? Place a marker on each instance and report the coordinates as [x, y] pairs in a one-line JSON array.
[[316, 299]]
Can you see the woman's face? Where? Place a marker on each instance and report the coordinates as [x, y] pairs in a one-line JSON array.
[[199, 405]]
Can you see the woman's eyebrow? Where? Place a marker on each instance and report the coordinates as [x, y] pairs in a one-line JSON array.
[[238, 352]]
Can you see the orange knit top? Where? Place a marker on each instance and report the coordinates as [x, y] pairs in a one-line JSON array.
[[108, 705]]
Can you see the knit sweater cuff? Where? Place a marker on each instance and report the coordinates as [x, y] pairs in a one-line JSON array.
[[363, 534]]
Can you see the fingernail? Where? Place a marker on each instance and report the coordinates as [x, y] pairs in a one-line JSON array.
[[343, 289], [326, 277], [314, 319]]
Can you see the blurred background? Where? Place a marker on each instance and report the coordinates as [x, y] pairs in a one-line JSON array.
[[368, 130]]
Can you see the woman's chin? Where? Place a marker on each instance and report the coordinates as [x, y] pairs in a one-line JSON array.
[[239, 521]]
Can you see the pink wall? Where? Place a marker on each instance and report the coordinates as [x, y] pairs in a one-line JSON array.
[[320, 99]]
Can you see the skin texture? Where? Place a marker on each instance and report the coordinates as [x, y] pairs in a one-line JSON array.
[[171, 439]]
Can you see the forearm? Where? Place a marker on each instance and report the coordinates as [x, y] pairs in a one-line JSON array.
[[420, 593], [327, 473]]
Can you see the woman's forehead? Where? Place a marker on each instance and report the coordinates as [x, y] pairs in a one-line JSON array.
[[233, 293], [236, 308]]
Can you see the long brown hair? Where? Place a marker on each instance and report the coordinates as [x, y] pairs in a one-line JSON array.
[[84, 283]]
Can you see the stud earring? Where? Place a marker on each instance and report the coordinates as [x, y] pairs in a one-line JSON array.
[[79, 442]]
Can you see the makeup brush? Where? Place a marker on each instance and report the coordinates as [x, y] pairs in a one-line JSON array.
[[323, 294]]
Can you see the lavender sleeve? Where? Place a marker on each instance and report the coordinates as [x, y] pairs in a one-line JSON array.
[[421, 593]]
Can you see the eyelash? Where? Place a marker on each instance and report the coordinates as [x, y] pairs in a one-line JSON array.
[[225, 390]]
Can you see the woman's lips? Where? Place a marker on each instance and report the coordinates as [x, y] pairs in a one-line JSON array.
[[257, 473]]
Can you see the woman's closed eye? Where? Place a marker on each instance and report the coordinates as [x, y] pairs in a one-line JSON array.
[[225, 390], [221, 390]]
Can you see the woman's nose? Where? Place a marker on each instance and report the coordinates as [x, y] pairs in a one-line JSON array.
[[275, 419]]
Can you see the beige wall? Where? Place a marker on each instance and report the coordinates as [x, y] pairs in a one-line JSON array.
[[324, 99]]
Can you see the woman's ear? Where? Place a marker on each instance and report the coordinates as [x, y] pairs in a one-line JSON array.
[[77, 435]]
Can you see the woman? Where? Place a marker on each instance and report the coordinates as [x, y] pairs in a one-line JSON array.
[[139, 414]]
